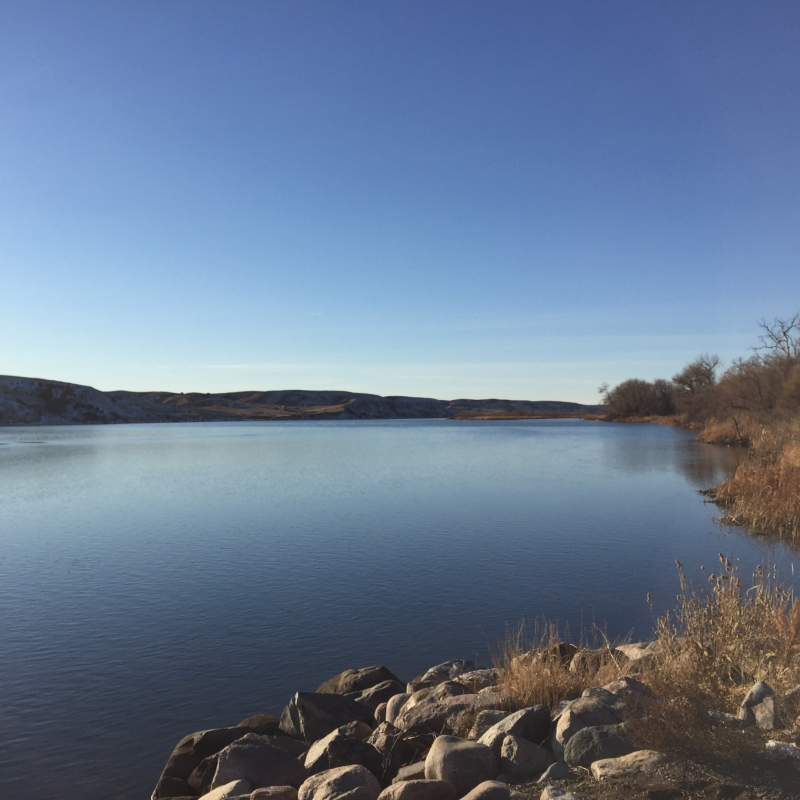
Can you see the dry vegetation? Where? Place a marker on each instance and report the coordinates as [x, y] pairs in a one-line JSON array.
[[754, 404]]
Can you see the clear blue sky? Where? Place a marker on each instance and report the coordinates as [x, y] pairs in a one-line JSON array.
[[453, 199]]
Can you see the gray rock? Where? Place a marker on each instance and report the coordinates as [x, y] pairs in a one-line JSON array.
[[352, 783], [605, 697], [435, 716], [412, 772], [634, 693], [254, 760], [380, 713], [585, 712], [558, 771], [187, 756], [489, 790], [263, 724], [356, 680], [587, 661], [228, 791], [479, 679], [758, 707], [344, 747], [294, 747], [531, 723], [557, 793], [275, 793], [395, 752], [522, 760], [465, 764], [485, 720], [596, 743], [203, 774], [311, 715], [394, 706], [631, 764], [419, 790], [440, 673], [380, 693]]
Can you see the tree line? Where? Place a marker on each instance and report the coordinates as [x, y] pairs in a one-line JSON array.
[[762, 386]]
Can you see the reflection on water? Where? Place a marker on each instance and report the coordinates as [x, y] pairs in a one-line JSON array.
[[160, 579]]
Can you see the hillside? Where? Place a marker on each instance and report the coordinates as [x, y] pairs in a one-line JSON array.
[[34, 401]]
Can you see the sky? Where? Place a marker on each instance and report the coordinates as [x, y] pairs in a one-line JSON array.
[[481, 198]]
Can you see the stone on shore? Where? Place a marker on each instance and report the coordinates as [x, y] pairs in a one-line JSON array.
[[585, 712], [637, 650], [446, 671], [435, 716], [263, 724], [558, 771], [380, 713], [419, 790], [356, 680], [380, 693], [412, 772], [631, 764], [634, 693], [394, 751], [531, 723], [479, 679], [232, 789], [254, 760], [484, 720], [352, 783], [275, 793], [394, 706], [557, 793], [310, 715], [187, 756], [489, 790], [595, 743], [758, 707], [522, 760], [465, 764], [344, 747]]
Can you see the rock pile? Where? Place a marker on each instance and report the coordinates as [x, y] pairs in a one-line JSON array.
[[448, 734]]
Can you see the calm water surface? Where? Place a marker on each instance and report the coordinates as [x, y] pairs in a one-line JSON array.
[[160, 579]]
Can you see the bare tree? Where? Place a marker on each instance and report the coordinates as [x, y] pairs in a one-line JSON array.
[[702, 372], [781, 338]]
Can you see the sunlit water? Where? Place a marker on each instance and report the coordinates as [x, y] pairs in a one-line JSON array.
[[160, 579]]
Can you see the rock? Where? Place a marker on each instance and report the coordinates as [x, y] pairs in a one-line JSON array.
[[522, 760], [275, 793], [352, 783], [380, 713], [758, 707], [556, 793], [412, 772], [561, 651], [605, 697], [188, 754], [592, 744], [202, 776], [294, 747], [434, 716], [479, 679], [356, 680], [484, 721], [380, 693], [344, 747], [489, 790], [638, 650], [531, 723], [434, 693], [634, 693], [585, 712], [232, 789], [263, 724], [558, 771], [394, 706], [254, 760], [419, 790], [311, 716], [587, 661], [394, 751], [465, 764], [638, 761], [440, 673]]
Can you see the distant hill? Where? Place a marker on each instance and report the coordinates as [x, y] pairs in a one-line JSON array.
[[35, 401]]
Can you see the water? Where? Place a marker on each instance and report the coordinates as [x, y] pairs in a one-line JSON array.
[[160, 579]]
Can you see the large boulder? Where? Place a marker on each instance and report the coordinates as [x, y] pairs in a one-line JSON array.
[[585, 712], [758, 707], [435, 716], [380, 693], [632, 692], [593, 744], [356, 680], [479, 679], [484, 720], [446, 671], [311, 715], [420, 790], [275, 793], [521, 760], [413, 772], [394, 750], [229, 790], [256, 761], [262, 724], [395, 706], [342, 783], [344, 747], [489, 790], [187, 756], [531, 723], [631, 764], [465, 764]]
